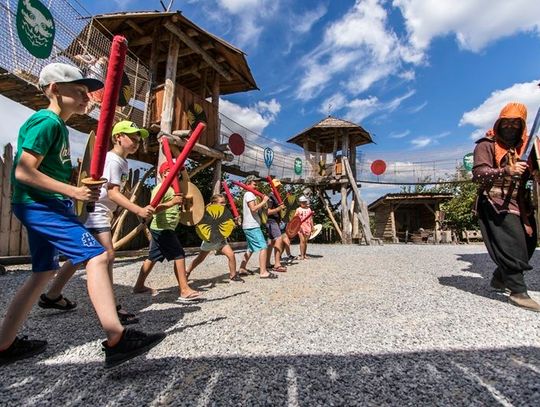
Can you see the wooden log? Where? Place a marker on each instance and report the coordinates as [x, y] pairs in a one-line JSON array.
[[201, 167], [364, 215], [176, 140], [129, 237], [5, 220], [216, 180], [169, 90], [329, 212]]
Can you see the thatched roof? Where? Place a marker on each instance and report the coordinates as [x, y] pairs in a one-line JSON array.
[[201, 53], [324, 133]]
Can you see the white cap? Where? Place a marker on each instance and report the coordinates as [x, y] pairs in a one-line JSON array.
[[303, 199], [64, 73]]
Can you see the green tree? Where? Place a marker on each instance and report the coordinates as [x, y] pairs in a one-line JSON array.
[[458, 211]]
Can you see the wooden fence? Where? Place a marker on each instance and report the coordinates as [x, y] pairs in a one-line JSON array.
[[13, 240], [13, 237]]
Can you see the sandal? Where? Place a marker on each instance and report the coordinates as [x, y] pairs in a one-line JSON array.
[[269, 276], [245, 272], [280, 269], [237, 277], [126, 318], [46, 302], [193, 297]]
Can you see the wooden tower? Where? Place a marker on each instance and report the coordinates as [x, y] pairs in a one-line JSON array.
[[330, 148]]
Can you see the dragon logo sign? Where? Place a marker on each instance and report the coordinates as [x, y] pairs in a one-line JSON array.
[[35, 27]]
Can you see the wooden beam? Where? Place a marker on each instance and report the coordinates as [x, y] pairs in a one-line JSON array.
[[135, 26], [194, 46], [175, 139], [170, 84], [147, 39], [364, 218], [216, 180], [330, 214], [201, 167]]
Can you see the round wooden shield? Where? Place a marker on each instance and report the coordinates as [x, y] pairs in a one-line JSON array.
[[290, 207], [293, 227], [315, 231], [378, 167], [192, 210], [263, 212], [217, 224], [236, 144], [84, 172]]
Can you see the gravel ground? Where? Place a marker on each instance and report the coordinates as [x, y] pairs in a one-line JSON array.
[[354, 325]]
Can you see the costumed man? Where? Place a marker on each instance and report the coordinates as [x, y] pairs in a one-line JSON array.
[[503, 207]]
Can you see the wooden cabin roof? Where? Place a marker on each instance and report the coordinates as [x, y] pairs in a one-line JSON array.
[[201, 52], [324, 132], [410, 198]]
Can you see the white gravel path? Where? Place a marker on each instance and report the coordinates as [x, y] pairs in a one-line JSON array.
[[354, 325]]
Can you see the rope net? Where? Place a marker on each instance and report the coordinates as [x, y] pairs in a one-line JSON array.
[[77, 41]]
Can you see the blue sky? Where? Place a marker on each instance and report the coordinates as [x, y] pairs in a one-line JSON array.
[[424, 77]]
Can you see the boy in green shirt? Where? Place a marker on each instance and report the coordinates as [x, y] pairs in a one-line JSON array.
[[42, 202], [165, 243]]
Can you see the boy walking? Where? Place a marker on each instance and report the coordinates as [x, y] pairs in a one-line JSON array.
[[165, 243], [41, 172], [126, 138], [251, 224]]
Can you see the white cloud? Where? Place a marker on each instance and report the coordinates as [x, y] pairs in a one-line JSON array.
[[360, 47], [421, 142], [302, 24], [255, 118], [333, 103], [249, 17], [474, 23], [416, 109], [400, 134], [483, 117]]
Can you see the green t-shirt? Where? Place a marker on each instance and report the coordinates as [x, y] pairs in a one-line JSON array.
[[45, 134], [169, 218]]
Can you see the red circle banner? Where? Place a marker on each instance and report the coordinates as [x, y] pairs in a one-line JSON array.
[[378, 167]]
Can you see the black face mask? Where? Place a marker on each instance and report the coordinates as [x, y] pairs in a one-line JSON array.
[[509, 136]]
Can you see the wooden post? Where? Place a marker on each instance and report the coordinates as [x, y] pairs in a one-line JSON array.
[[437, 232], [154, 55], [330, 214], [169, 94], [364, 216], [393, 223], [334, 154], [318, 156], [5, 170], [216, 181]]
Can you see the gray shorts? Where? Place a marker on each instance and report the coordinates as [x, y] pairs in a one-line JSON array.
[[273, 230]]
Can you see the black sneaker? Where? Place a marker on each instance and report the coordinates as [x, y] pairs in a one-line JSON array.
[[22, 348], [133, 343]]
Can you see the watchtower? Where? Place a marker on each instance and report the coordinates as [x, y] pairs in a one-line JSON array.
[[330, 149]]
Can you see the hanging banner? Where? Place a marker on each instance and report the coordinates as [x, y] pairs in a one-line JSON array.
[[35, 28], [298, 166], [468, 160], [378, 167], [268, 157]]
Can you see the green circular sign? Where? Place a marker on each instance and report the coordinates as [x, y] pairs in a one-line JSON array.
[[468, 160], [35, 27]]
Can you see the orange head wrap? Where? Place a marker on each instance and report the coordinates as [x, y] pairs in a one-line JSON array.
[[510, 111]]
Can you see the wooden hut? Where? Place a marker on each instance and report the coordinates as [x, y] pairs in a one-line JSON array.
[[330, 148], [404, 217]]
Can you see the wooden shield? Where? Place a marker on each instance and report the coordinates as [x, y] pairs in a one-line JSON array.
[[316, 230], [84, 172], [217, 224], [293, 227], [184, 180], [290, 207], [192, 210], [263, 212]]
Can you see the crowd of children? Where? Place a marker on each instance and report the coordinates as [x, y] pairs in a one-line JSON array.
[[43, 198]]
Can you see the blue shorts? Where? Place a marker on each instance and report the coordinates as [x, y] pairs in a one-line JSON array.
[[54, 228], [255, 240], [165, 245]]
